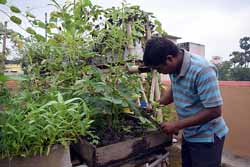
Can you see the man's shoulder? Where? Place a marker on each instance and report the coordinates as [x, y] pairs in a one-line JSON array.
[[199, 64]]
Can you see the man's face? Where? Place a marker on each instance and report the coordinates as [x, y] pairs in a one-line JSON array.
[[168, 67]]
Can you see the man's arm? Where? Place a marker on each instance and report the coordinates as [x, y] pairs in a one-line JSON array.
[[202, 117], [209, 94], [166, 97]]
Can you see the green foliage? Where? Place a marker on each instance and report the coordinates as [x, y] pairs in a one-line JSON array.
[[37, 122], [238, 66], [30, 15], [64, 92], [240, 74], [16, 20], [31, 31], [242, 58], [4, 95], [3, 1], [15, 9], [224, 70]]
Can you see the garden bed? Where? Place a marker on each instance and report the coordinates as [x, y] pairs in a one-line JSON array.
[[121, 152]]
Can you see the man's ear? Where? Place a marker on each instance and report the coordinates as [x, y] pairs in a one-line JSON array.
[[170, 58]]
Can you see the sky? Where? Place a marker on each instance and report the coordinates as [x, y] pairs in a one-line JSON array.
[[218, 24]]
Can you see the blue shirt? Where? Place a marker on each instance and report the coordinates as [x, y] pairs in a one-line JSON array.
[[194, 89]]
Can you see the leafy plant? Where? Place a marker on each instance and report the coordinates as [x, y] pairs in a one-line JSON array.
[[65, 95], [33, 127]]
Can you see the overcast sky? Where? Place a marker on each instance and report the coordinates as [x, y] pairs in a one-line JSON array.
[[218, 24]]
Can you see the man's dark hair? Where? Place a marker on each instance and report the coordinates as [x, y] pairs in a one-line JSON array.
[[157, 49]]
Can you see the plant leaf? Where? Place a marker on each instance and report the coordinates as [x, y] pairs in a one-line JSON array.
[[71, 100], [60, 97], [48, 104], [87, 3], [3, 78], [11, 127], [41, 24], [15, 9], [3, 1], [16, 20], [52, 42], [28, 14], [52, 25], [40, 38], [30, 31]]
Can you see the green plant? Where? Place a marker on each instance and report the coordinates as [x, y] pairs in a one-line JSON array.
[[76, 34], [33, 127]]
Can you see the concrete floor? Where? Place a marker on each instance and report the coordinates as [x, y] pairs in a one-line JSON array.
[[228, 160]]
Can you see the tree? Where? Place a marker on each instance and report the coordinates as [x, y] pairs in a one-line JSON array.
[[240, 74], [224, 70], [239, 58], [245, 45], [238, 67]]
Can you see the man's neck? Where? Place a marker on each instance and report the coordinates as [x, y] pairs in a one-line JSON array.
[[180, 61]]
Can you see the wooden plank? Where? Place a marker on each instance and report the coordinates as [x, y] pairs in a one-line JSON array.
[[124, 150], [86, 151], [119, 151]]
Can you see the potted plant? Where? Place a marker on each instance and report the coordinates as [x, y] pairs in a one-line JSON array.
[[37, 129]]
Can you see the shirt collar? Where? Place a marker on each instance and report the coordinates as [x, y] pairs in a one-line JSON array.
[[185, 64]]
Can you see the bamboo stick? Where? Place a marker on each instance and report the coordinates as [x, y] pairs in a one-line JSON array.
[[130, 43], [155, 90]]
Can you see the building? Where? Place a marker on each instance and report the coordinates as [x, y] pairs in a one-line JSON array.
[[12, 68], [172, 38], [194, 48]]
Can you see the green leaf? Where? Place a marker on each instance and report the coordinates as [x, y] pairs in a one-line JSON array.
[[52, 42], [117, 101], [28, 14], [11, 127], [60, 98], [48, 104], [30, 31], [157, 22], [41, 24], [16, 20], [72, 100], [3, 1], [87, 3], [112, 100], [56, 4], [4, 78], [52, 25], [15, 9], [40, 38]]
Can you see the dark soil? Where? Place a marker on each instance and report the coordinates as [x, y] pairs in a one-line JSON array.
[[129, 128]]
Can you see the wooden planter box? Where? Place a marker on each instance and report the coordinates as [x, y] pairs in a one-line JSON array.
[[110, 155], [58, 157]]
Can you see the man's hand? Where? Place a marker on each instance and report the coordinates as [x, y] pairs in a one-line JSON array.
[[170, 127], [166, 97], [202, 117]]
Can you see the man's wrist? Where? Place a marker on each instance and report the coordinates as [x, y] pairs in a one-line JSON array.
[[178, 125]]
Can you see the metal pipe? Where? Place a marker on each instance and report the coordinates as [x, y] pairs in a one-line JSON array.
[[159, 160]]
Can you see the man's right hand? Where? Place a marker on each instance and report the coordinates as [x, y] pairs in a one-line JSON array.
[[166, 97]]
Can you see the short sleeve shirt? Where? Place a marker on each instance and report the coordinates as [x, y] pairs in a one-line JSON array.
[[194, 89]]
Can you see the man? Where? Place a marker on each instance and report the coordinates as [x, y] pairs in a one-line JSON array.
[[196, 94]]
